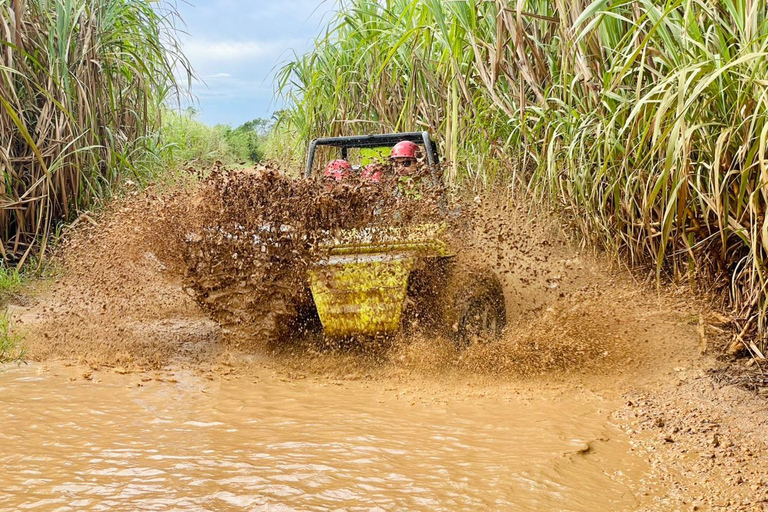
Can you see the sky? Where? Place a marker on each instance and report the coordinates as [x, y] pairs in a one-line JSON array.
[[234, 47]]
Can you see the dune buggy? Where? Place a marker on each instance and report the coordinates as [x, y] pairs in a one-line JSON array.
[[381, 279]]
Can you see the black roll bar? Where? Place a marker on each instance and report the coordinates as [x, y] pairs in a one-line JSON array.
[[372, 141]]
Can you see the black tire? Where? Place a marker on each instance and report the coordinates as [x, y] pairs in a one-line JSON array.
[[473, 308], [426, 289], [305, 320]]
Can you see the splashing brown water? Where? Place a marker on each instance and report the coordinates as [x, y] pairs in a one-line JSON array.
[[132, 288]]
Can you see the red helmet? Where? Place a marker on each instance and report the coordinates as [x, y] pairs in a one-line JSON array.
[[337, 169], [404, 149]]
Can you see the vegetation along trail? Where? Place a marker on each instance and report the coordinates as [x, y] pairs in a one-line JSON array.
[[572, 254]]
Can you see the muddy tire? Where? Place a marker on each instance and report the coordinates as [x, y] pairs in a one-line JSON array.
[[304, 319], [426, 287], [473, 307]]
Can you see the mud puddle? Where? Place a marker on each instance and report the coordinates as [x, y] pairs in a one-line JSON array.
[[152, 441]]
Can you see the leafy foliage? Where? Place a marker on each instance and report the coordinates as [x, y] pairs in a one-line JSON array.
[[188, 141], [246, 141]]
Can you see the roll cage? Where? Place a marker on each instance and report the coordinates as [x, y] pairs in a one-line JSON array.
[[373, 141]]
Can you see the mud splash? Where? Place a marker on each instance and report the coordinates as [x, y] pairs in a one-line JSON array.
[[149, 441], [118, 299], [129, 294], [248, 240]]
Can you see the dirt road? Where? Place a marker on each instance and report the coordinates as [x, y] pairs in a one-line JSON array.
[[598, 397]]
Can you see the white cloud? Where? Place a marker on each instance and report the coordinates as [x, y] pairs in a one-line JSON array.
[[217, 76], [231, 88], [230, 51], [235, 46]]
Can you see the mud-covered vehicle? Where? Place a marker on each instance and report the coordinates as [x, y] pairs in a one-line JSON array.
[[384, 278]]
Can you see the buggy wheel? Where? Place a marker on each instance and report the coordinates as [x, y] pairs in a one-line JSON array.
[[305, 321], [474, 309]]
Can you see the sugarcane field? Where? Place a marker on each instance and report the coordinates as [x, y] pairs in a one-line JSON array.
[[384, 255]]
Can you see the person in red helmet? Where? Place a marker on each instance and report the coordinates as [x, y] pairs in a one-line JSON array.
[[404, 158], [337, 169], [405, 164]]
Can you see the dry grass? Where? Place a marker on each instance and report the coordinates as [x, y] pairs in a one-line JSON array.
[[81, 83]]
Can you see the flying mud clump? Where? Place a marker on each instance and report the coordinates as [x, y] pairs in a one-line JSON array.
[[187, 276], [251, 236]]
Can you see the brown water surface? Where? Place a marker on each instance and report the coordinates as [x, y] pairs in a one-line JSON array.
[[266, 442]]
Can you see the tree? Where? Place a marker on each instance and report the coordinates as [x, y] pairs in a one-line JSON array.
[[246, 140]]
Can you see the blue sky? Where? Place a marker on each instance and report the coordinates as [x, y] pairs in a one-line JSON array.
[[234, 46]]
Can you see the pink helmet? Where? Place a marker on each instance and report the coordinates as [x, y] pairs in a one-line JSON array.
[[404, 149], [372, 172], [337, 169]]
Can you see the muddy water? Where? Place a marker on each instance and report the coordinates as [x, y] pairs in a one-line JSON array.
[[268, 442]]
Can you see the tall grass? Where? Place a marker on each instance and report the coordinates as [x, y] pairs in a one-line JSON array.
[[285, 144], [81, 85], [11, 282], [11, 346], [642, 121], [187, 141]]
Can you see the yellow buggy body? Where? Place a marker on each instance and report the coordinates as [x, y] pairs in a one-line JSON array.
[[360, 286]]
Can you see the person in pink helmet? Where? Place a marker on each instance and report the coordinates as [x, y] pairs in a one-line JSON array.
[[373, 172], [337, 170], [404, 158], [405, 164]]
